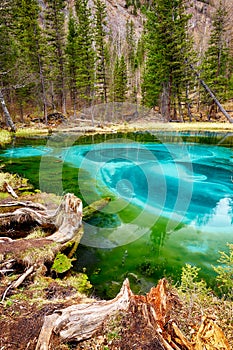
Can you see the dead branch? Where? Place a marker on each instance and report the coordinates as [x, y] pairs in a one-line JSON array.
[[10, 190], [18, 282], [23, 204]]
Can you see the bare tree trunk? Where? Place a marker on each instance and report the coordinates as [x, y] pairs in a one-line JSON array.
[[224, 112], [9, 121], [210, 92]]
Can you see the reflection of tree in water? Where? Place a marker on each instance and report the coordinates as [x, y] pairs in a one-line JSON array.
[[158, 236]]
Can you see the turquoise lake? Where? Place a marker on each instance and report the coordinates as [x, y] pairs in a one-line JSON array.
[[172, 200]]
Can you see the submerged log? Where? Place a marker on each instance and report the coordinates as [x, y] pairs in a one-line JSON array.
[[81, 321]]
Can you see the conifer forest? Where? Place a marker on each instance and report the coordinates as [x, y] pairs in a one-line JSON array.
[[63, 55]]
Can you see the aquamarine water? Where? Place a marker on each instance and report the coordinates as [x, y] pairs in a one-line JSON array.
[[172, 203]]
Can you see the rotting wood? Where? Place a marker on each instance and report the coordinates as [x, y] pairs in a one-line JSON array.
[[67, 218], [79, 322]]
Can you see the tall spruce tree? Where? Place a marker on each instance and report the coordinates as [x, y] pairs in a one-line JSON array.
[[85, 53], [55, 36], [216, 67], [101, 50], [9, 55], [31, 50], [71, 52], [168, 56], [120, 80]]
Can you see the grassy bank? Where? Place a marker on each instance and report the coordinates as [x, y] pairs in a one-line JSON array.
[[6, 136]]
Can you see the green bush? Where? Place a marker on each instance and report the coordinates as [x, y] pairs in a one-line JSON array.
[[225, 272]]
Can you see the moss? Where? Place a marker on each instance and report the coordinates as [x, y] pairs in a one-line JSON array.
[[62, 263], [80, 282], [39, 255], [36, 233], [27, 132]]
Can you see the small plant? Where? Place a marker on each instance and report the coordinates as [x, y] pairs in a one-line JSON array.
[[225, 271], [190, 285]]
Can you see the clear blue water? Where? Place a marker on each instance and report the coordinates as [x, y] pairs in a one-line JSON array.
[[172, 203]]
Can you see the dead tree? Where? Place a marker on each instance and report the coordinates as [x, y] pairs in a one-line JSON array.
[[8, 119], [212, 95]]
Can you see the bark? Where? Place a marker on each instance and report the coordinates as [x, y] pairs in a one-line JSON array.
[[9, 121]]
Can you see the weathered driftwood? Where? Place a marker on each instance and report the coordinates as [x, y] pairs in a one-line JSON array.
[[81, 321]]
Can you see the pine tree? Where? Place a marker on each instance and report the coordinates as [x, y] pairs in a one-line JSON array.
[[71, 52], [101, 49], [86, 55], [216, 69], [8, 47], [55, 36], [131, 44], [168, 56], [120, 80], [31, 47]]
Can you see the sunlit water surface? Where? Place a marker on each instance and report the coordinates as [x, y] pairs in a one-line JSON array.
[[172, 202]]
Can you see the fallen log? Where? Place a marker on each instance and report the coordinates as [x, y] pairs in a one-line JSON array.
[[81, 321]]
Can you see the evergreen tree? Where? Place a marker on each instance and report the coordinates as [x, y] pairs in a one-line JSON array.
[[168, 56], [216, 69], [85, 52], [31, 50], [101, 49], [71, 52], [55, 36], [120, 80], [131, 43]]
